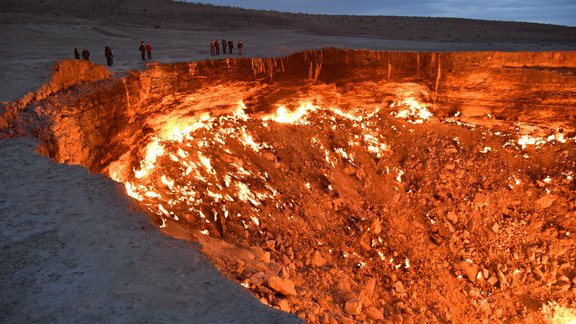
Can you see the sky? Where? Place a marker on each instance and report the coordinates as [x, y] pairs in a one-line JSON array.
[[559, 12]]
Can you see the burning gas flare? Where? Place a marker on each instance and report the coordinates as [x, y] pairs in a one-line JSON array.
[[179, 178]]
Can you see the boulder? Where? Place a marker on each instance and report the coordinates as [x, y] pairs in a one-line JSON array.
[[282, 286], [353, 307], [374, 313]]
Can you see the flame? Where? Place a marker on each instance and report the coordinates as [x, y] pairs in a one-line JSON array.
[[557, 314], [282, 115], [412, 110], [193, 164]]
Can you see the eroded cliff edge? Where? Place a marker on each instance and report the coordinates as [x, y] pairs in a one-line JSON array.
[[85, 117]]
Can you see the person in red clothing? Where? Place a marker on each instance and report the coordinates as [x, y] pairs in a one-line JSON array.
[[142, 49], [149, 50]]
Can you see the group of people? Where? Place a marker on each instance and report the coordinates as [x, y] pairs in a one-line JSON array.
[[85, 54], [145, 50], [215, 47]]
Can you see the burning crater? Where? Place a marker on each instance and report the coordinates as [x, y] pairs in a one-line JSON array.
[[346, 185]]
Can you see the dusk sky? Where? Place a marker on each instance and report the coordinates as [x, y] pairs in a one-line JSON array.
[[560, 12]]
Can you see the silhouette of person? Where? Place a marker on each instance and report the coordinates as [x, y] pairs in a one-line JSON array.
[[142, 49], [223, 46], [109, 56], [240, 48], [76, 53], [230, 46], [86, 54], [149, 50], [212, 48], [217, 47]]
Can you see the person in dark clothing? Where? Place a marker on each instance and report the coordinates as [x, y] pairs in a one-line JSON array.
[[240, 48], [142, 49], [223, 46], [217, 47], [109, 56], [230, 46], [149, 50], [212, 48], [76, 53], [86, 54]]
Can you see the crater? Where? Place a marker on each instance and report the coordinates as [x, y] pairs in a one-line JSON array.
[[342, 184]]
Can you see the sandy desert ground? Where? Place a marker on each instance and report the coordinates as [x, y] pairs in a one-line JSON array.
[[74, 247]]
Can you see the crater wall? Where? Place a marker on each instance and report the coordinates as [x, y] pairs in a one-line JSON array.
[[93, 120]]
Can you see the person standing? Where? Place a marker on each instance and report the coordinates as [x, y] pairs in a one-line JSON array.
[[86, 54], [240, 48], [217, 47], [149, 50], [223, 46], [142, 49], [76, 53], [212, 48], [109, 56], [230, 46]]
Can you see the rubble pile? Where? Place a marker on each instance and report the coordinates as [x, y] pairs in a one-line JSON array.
[[364, 216]]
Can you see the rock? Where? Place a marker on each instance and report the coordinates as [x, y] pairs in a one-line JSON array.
[[347, 320], [353, 307], [492, 280], [376, 227], [284, 305], [545, 201], [365, 241], [360, 175], [374, 314], [317, 259], [470, 270], [258, 278], [258, 253], [481, 200], [337, 204], [284, 273], [350, 170], [563, 283], [452, 217], [495, 228], [501, 278], [269, 156], [498, 313], [266, 257], [282, 286], [369, 288], [270, 244], [399, 287], [449, 167]]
